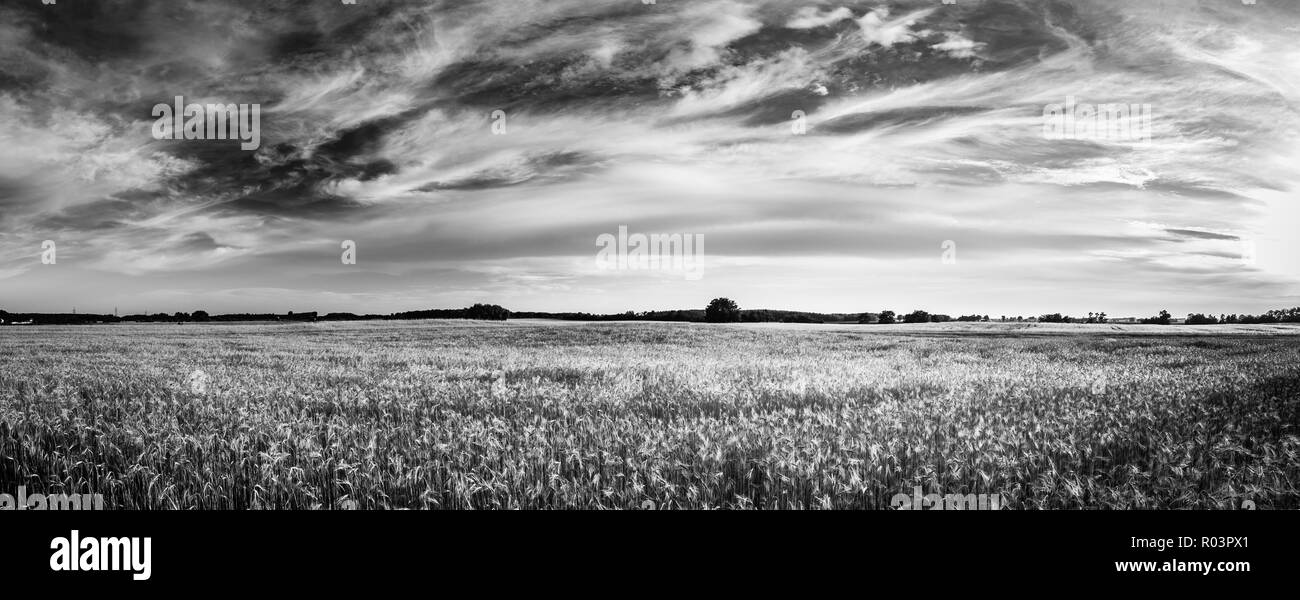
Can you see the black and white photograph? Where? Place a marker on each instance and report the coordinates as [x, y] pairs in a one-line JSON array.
[[348, 257]]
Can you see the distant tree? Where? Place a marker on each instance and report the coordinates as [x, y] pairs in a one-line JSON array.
[[1200, 319], [1101, 317], [1162, 319], [487, 312], [181, 317], [722, 310], [986, 319], [201, 316], [1053, 318], [887, 317], [917, 316], [942, 318]]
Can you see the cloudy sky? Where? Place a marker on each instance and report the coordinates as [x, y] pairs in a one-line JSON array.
[[924, 123]]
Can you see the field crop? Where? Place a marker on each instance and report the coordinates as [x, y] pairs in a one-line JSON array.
[[527, 415]]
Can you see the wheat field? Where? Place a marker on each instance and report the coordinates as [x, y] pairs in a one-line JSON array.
[[529, 415]]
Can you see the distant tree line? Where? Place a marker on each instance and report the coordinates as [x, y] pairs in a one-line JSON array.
[[7, 318], [700, 316], [202, 316], [481, 312], [1287, 315], [889, 317], [720, 310], [486, 312]]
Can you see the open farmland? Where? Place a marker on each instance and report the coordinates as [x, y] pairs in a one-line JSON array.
[[632, 415]]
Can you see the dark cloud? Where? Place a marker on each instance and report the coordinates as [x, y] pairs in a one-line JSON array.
[[199, 242], [107, 214], [1204, 235], [912, 117]]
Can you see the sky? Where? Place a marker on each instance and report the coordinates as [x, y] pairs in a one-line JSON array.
[[833, 156]]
